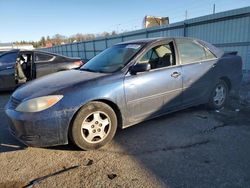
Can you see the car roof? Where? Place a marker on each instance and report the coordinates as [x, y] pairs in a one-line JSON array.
[[151, 40], [145, 40], [40, 51]]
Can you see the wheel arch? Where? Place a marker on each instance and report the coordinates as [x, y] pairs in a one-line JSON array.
[[105, 101], [227, 81], [115, 108]]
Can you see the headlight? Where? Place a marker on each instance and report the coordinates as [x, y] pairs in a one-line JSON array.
[[38, 104]]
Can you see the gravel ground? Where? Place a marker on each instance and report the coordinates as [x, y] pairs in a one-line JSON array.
[[190, 148]]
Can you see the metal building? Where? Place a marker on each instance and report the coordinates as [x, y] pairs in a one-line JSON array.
[[229, 30]]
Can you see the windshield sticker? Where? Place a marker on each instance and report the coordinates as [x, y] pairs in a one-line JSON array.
[[133, 46]]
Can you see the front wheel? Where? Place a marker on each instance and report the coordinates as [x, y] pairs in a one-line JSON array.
[[219, 95], [94, 126]]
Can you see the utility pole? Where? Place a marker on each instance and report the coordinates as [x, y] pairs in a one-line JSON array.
[[214, 9], [118, 27], [186, 15]]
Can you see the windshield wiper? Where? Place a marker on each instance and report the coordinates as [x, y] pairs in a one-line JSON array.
[[86, 69], [90, 70]]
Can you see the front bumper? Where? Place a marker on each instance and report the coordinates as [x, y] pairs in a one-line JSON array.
[[40, 129]]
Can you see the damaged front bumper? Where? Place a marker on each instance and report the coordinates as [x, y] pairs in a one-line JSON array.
[[40, 129]]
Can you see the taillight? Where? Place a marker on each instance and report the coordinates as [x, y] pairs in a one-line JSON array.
[[78, 63]]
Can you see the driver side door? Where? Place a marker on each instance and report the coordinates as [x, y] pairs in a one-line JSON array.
[[155, 92]]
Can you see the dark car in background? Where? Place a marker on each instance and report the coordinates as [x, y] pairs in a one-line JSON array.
[[3, 51], [126, 84], [19, 66]]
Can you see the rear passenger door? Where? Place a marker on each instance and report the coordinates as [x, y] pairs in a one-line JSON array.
[[197, 69], [43, 64]]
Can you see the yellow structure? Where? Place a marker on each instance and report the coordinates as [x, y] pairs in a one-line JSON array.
[[152, 21]]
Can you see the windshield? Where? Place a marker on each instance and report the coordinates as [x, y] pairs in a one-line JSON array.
[[8, 58], [112, 59]]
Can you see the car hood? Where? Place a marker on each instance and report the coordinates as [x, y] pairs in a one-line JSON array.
[[53, 83]]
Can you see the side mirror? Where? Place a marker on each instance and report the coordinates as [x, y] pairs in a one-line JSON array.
[[140, 68]]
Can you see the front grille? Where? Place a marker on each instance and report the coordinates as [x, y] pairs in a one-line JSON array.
[[14, 102]]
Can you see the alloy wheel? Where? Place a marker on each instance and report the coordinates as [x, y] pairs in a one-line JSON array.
[[95, 127], [219, 95]]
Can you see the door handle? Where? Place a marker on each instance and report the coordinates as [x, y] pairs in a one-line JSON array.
[[214, 65], [10, 67], [175, 74]]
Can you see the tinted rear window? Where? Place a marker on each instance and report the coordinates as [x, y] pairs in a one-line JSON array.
[[43, 57]]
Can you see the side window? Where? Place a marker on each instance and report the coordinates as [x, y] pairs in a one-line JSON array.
[[190, 52], [39, 57], [160, 56], [8, 58], [209, 55], [149, 56]]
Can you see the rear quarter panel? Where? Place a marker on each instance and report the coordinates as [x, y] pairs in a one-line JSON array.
[[230, 67]]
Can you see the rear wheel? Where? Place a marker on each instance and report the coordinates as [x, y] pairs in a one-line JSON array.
[[94, 126], [219, 95]]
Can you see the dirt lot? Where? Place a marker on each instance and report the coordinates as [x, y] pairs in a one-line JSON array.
[[190, 148]]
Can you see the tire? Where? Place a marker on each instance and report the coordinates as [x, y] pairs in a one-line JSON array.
[[94, 126], [219, 95]]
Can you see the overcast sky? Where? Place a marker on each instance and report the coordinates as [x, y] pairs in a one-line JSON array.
[[32, 19]]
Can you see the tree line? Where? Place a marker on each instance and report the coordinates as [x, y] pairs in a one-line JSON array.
[[61, 39]]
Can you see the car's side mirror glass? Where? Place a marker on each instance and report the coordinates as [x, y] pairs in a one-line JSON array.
[[140, 68]]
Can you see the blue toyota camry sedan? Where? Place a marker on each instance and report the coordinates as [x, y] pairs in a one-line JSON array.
[[127, 83]]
